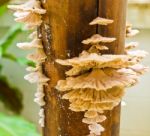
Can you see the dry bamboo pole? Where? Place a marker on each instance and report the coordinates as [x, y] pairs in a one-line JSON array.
[[65, 26]]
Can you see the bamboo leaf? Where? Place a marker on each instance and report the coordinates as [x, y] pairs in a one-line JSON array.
[[7, 40], [16, 126]]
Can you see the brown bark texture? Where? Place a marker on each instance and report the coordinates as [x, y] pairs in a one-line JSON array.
[[65, 26]]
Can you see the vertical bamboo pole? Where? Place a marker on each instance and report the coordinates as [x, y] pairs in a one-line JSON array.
[[116, 10], [65, 26]]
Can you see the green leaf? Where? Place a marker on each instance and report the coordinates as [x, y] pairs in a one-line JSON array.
[[7, 40], [16, 126], [3, 9], [24, 61]]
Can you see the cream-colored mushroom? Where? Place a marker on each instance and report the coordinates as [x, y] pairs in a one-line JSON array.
[[39, 101], [42, 122], [30, 18], [31, 5], [90, 114], [93, 60], [37, 57], [97, 38], [41, 113], [35, 43], [101, 21], [98, 119], [139, 69], [36, 77], [96, 129], [110, 95], [132, 32], [98, 79], [34, 69], [131, 45]]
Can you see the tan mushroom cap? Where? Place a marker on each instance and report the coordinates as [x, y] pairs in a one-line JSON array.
[[101, 21], [93, 60], [139, 54], [98, 79], [35, 43], [79, 105], [97, 38], [30, 18], [90, 114], [98, 119], [139, 69], [97, 48], [37, 57], [110, 95], [33, 69], [132, 32], [31, 5], [36, 77], [131, 45], [96, 129]]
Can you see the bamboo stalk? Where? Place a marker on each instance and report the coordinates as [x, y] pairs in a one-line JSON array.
[[65, 26]]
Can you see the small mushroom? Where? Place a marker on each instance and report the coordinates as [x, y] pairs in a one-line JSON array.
[[41, 113], [39, 101], [97, 119], [132, 32], [131, 45], [42, 122], [96, 38], [31, 5], [37, 57], [36, 43], [93, 60], [36, 77], [33, 69], [96, 129], [30, 18], [90, 114], [139, 69], [99, 80], [101, 21]]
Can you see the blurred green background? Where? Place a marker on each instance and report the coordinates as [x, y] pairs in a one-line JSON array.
[[18, 112]]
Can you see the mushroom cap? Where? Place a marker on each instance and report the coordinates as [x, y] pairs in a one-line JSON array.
[[36, 77], [131, 45], [31, 5], [110, 95], [99, 79], [90, 114], [93, 60], [37, 57], [98, 119], [79, 105], [35, 43], [97, 38], [96, 129], [132, 32], [139, 69], [30, 18], [101, 21]]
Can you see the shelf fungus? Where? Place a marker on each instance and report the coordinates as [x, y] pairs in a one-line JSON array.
[[97, 38], [96, 82], [129, 31], [101, 21], [30, 13]]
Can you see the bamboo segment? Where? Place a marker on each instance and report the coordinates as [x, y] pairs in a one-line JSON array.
[[65, 25]]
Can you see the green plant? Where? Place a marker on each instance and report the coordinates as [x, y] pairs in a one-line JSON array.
[[10, 96], [16, 126]]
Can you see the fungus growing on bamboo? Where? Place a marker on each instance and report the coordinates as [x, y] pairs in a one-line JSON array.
[[30, 13], [96, 82]]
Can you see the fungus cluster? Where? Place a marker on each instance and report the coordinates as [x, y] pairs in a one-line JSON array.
[[31, 13], [96, 82]]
